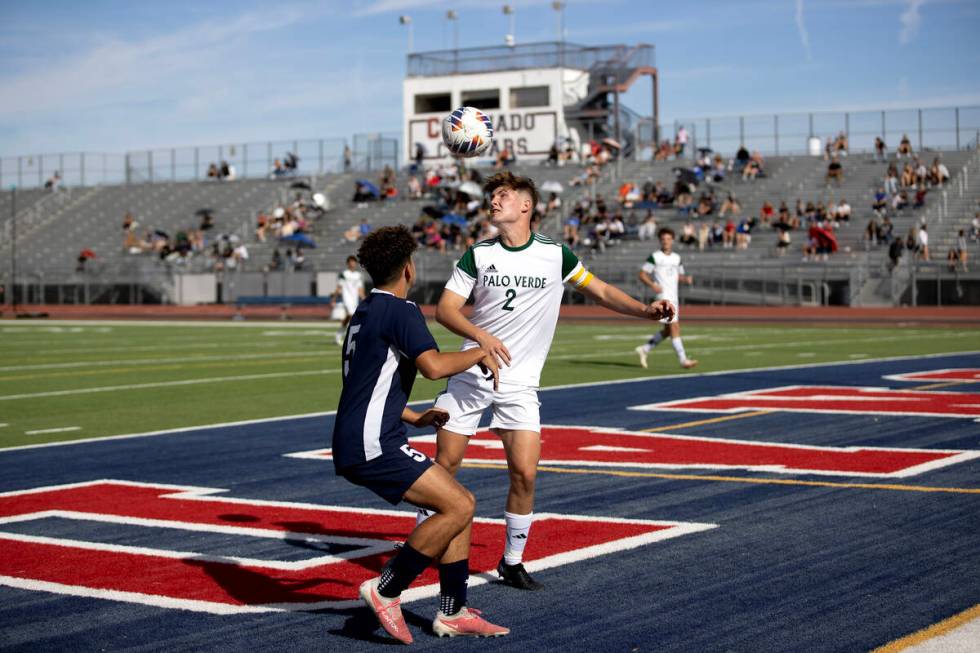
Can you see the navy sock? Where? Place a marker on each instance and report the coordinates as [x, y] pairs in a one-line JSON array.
[[452, 586], [404, 568]]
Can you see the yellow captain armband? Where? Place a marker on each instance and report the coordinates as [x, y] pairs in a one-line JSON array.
[[582, 278]]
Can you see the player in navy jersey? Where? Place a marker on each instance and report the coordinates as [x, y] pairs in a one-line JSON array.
[[387, 341]]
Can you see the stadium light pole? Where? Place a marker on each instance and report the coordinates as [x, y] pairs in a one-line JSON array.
[[511, 38], [13, 247], [407, 20], [559, 8], [453, 18]]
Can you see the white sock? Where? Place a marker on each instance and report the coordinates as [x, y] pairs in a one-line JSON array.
[[422, 515], [518, 529], [679, 348]]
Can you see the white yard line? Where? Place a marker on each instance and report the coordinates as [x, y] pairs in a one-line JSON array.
[[155, 361], [161, 384], [58, 430], [426, 401]]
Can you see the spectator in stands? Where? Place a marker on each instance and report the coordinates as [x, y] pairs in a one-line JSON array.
[[275, 264], [871, 231], [920, 198], [706, 204], [54, 182], [84, 256], [783, 242], [680, 142], [419, 158], [728, 239], [277, 170], [648, 228], [923, 243], [213, 172], [414, 188], [975, 227], [938, 173], [828, 149], [290, 163], [841, 144], [886, 230], [891, 180], [362, 193], [224, 171], [664, 151], [900, 201], [921, 173], [881, 151], [717, 233], [962, 252], [207, 222], [348, 155], [730, 205], [741, 159], [704, 236], [752, 169], [843, 213], [908, 176], [895, 250], [905, 147], [766, 212], [504, 158], [688, 235], [835, 171], [553, 155], [743, 233]]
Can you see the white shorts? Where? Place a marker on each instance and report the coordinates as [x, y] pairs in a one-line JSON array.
[[677, 310], [350, 306], [515, 407]]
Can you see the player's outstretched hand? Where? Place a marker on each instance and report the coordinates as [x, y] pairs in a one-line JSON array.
[[488, 365], [660, 310], [495, 348], [436, 417]]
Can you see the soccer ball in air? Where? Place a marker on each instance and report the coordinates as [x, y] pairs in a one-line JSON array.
[[467, 132]]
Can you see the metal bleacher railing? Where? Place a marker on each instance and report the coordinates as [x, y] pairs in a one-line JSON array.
[[369, 152]]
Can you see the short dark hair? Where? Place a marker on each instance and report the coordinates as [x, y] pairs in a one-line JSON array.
[[507, 179], [352, 258], [666, 230], [385, 252]]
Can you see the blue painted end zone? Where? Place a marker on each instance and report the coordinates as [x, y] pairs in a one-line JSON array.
[[790, 568]]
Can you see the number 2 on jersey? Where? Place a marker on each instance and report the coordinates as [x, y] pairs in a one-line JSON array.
[[511, 294]]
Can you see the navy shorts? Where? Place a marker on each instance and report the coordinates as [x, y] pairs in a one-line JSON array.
[[390, 474]]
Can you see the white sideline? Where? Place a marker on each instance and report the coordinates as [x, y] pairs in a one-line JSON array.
[[162, 384], [423, 401]]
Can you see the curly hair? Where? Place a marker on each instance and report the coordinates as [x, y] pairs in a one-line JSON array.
[[666, 231], [385, 252], [507, 179]]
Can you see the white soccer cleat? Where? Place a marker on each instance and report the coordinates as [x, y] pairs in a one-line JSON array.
[[643, 356], [466, 622], [388, 611]]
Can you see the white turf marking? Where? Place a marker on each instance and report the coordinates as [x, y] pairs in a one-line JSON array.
[[958, 455], [548, 389], [3, 425], [58, 430], [767, 394], [55, 329], [156, 361], [237, 324], [673, 529], [163, 384]]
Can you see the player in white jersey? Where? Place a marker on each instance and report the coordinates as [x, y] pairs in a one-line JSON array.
[[517, 282], [665, 266], [350, 289]]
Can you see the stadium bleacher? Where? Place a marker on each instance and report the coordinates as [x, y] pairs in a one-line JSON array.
[[53, 227]]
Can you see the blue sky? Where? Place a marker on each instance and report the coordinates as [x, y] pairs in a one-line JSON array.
[[112, 76]]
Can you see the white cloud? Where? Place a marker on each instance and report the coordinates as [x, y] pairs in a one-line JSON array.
[[910, 19], [801, 28]]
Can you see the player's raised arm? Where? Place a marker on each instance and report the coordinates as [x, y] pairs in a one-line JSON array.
[[434, 364], [449, 313], [615, 299]]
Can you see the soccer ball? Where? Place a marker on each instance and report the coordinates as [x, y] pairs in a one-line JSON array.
[[467, 132]]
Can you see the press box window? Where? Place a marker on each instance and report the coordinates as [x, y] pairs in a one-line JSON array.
[[433, 103], [529, 96], [486, 99]]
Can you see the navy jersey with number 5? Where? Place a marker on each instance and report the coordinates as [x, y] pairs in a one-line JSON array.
[[383, 340]]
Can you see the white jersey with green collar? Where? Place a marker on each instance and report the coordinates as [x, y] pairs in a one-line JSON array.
[[517, 292]]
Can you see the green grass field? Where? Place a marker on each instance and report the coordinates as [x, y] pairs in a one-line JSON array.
[[69, 380]]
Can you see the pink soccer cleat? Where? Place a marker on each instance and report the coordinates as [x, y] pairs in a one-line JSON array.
[[388, 611], [466, 622], [689, 363]]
